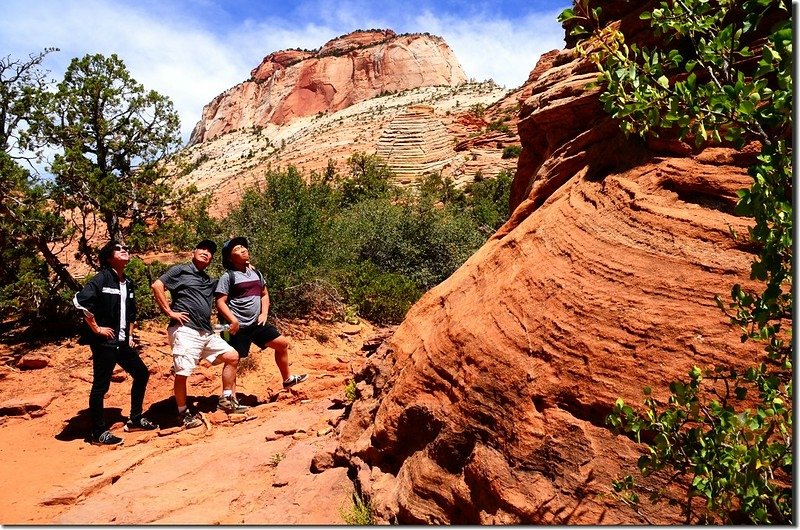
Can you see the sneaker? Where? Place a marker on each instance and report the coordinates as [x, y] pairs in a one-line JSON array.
[[230, 405], [107, 439], [294, 379], [189, 420], [142, 424]]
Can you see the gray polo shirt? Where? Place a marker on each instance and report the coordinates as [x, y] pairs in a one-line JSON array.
[[192, 292]]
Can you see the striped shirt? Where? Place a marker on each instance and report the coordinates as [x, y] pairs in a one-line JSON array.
[[244, 296]]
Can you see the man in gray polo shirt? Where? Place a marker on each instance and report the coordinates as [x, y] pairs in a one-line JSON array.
[[190, 333]]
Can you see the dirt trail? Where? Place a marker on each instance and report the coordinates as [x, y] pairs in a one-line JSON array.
[[234, 470]]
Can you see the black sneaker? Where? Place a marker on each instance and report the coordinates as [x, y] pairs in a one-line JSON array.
[[142, 424], [107, 439], [294, 379], [189, 420], [230, 405]]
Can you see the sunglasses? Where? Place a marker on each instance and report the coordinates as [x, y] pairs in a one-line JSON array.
[[121, 248]]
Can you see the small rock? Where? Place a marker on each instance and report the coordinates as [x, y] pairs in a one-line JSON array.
[[323, 432], [119, 375], [288, 431], [217, 417], [322, 461], [351, 329], [33, 361], [25, 405], [171, 430], [5, 371], [237, 418], [60, 497]]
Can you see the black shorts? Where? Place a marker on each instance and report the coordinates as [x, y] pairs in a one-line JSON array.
[[260, 335]]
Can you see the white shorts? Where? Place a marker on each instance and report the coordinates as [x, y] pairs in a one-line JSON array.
[[190, 345]]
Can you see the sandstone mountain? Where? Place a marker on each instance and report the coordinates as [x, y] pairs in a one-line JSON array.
[[488, 403], [292, 84], [404, 97]]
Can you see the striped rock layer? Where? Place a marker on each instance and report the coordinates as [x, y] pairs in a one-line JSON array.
[[488, 404], [414, 143]]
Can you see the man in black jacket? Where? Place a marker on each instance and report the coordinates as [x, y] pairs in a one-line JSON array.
[[109, 308]]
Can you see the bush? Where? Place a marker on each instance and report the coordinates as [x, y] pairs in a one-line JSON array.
[[382, 297], [359, 239], [512, 151], [143, 275], [489, 201], [726, 433]]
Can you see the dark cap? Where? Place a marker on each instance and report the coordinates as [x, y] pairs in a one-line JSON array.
[[208, 245], [227, 247]]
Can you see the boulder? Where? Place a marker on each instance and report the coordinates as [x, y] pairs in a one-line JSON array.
[[488, 404]]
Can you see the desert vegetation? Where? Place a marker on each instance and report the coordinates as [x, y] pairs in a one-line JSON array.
[[330, 241], [108, 136]]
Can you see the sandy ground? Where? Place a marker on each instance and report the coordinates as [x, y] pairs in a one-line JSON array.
[[254, 469]]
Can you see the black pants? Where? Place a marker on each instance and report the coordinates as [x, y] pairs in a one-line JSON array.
[[261, 335], [104, 358]]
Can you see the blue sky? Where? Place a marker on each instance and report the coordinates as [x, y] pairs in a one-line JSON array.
[[193, 50]]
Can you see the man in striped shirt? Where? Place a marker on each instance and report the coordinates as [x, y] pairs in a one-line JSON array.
[[243, 300]]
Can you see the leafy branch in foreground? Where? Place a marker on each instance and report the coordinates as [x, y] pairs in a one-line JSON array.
[[720, 73]]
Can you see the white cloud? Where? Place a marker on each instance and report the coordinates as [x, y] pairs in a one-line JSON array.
[[186, 64], [497, 48]]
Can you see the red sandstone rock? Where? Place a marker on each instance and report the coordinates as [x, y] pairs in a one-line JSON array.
[[488, 403], [19, 406], [350, 69], [277, 61], [355, 40], [33, 361]]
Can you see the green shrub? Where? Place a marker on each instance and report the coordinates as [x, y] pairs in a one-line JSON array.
[[143, 275], [725, 433], [360, 512], [512, 151], [489, 201], [359, 240], [498, 125], [350, 391], [382, 297]]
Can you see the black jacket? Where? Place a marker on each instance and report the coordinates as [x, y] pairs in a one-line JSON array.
[[101, 297]]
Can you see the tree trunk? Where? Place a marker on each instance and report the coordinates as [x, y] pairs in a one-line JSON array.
[[59, 268]]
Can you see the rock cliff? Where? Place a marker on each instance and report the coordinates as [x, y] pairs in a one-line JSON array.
[[488, 403], [456, 120], [292, 84]]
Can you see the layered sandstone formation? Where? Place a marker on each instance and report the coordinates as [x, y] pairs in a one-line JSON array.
[[488, 404], [228, 164], [414, 143], [293, 84]]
